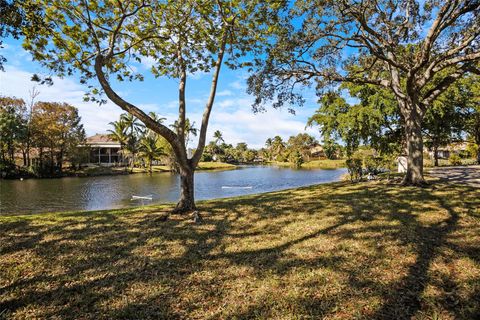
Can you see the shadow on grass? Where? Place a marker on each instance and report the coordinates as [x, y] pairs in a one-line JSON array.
[[365, 251]]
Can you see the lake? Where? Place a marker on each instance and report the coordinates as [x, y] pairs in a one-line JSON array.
[[110, 192]]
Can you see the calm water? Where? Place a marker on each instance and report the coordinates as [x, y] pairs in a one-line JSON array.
[[109, 192]]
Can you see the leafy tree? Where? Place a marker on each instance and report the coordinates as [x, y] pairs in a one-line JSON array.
[[57, 130], [413, 49], [277, 148], [442, 124], [374, 120], [249, 155], [296, 159], [12, 128], [301, 144], [467, 96], [331, 148], [151, 149], [98, 40], [242, 147], [14, 19]]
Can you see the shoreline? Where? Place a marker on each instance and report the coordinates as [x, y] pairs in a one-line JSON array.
[[98, 171], [165, 205]]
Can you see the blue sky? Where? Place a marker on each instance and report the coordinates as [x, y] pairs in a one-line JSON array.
[[231, 114]]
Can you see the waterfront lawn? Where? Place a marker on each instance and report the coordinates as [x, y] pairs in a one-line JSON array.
[[201, 166], [334, 251], [317, 164]]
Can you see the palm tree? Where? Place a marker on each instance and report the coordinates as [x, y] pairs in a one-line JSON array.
[[268, 143], [150, 149], [156, 117], [136, 128], [132, 123], [119, 133], [189, 129], [278, 146], [218, 136]]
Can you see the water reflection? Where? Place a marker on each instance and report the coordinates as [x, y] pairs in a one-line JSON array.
[[109, 192]]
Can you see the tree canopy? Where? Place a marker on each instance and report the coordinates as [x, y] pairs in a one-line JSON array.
[[413, 49]]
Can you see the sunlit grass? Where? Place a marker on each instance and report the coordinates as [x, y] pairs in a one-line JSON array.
[[201, 166], [335, 251], [317, 164]]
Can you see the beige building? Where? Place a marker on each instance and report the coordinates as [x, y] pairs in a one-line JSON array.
[[104, 150]]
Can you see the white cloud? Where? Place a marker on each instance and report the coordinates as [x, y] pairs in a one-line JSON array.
[[224, 93], [232, 116], [95, 118], [243, 125], [238, 84]]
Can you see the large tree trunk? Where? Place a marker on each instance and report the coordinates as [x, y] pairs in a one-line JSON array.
[[413, 133], [187, 195], [435, 155]]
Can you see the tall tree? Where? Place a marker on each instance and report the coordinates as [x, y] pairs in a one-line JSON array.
[[467, 97], [442, 124], [415, 49], [99, 39], [188, 129], [12, 127], [151, 149], [57, 131], [134, 130], [374, 120], [119, 133], [218, 136]]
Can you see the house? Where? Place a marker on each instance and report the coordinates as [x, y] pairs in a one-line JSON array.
[[317, 151], [444, 152], [104, 150]]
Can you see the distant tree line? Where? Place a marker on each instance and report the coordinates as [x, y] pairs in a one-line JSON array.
[[39, 137], [299, 149], [220, 151]]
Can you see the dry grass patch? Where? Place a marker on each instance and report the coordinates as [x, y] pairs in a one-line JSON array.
[[336, 251]]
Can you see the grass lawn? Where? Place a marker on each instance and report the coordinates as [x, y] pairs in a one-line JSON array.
[[427, 162], [201, 166], [317, 164], [334, 251]]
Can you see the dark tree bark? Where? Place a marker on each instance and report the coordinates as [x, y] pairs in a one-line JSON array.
[[435, 155], [413, 113], [187, 192], [413, 133]]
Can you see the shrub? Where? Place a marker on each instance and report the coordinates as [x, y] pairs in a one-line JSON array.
[[296, 159], [372, 164], [354, 167], [455, 159]]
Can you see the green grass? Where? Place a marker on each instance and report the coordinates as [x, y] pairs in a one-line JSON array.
[[201, 166], [215, 166], [317, 164], [325, 164], [427, 162], [334, 251]]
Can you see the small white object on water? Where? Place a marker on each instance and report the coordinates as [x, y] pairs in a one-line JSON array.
[[21, 179], [236, 187], [149, 197]]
